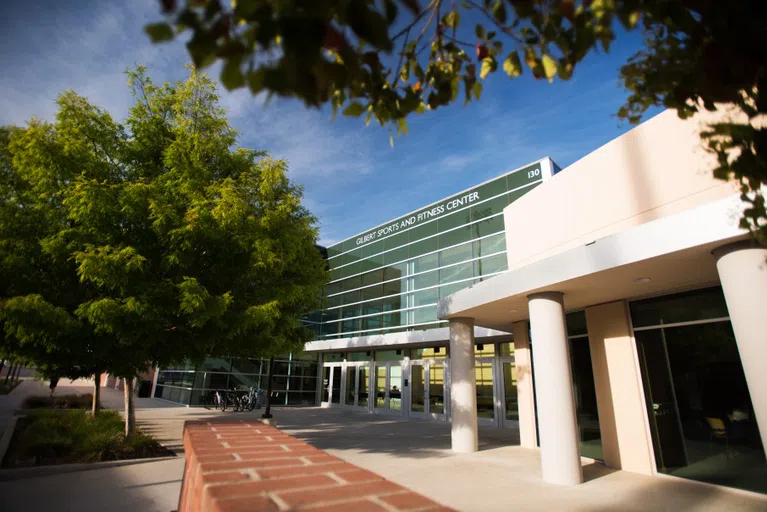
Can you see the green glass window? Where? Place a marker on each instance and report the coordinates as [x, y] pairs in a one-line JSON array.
[[373, 322], [370, 249], [428, 353], [456, 272], [395, 271], [393, 287], [396, 240], [375, 261], [450, 289], [334, 357], [331, 302], [350, 311], [488, 227], [391, 320], [359, 356], [682, 307], [332, 328], [338, 273], [373, 277], [350, 244], [506, 349], [428, 262], [457, 236], [425, 280], [522, 176], [393, 303], [491, 189], [372, 292], [351, 257], [369, 308], [490, 245], [455, 254], [513, 196], [576, 323], [352, 283], [351, 297], [396, 255], [489, 208], [334, 250], [333, 288], [430, 296], [331, 314], [389, 355], [427, 314], [453, 220], [490, 265], [424, 246], [422, 231], [350, 325]]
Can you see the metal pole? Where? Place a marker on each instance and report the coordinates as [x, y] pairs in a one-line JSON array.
[[10, 371], [268, 412]]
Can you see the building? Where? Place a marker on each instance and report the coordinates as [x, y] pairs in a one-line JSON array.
[[611, 310]]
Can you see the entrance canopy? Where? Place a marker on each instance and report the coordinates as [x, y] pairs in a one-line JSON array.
[[671, 253]]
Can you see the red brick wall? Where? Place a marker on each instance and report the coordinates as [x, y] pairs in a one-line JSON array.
[[238, 466]]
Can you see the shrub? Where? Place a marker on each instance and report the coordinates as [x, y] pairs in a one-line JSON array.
[[59, 402]]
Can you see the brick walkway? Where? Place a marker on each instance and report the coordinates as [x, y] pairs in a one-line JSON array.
[[240, 465]]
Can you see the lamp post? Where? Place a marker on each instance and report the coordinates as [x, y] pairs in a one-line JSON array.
[[268, 412]]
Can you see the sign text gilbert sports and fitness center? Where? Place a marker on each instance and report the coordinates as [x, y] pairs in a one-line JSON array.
[[436, 211]]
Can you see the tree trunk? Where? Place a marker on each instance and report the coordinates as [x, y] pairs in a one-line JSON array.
[[10, 371], [2, 364], [18, 371], [268, 411], [130, 410], [96, 394]]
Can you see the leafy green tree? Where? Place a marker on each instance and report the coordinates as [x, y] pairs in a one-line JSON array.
[[184, 244], [386, 59]]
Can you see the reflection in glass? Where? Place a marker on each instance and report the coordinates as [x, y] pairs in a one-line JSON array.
[[436, 388], [701, 416], [362, 386], [483, 374], [510, 391], [335, 393], [586, 399], [418, 390], [380, 387], [326, 383], [351, 376], [395, 387]]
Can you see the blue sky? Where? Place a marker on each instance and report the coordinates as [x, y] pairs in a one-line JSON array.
[[353, 179]]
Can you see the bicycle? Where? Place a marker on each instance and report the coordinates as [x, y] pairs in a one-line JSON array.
[[251, 399], [219, 399]]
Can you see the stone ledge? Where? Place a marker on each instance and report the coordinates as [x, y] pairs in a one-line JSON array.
[[248, 465]]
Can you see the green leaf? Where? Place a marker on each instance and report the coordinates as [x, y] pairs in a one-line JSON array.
[[402, 125], [512, 65], [159, 32], [355, 109], [479, 30], [499, 11], [477, 87], [452, 19], [231, 74], [421, 108], [549, 66], [488, 66]]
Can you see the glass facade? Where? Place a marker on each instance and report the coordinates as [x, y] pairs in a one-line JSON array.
[[698, 404], [390, 278], [294, 380]]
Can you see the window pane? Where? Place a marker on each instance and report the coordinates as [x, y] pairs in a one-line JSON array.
[[490, 265], [450, 289], [395, 271], [576, 323], [488, 227], [456, 272], [457, 236], [682, 307], [454, 220], [392, 320], [424, 246], [522, 176], [425, 280], [490, 245], [427, 262], [493, 188], [371, 278], [370, 249], [422, 231], [389, 355], [396, 240], [371, 292], [351, 283], [393, 303], [489, 208], [430, 296], [396, 255], [393, 287], [428, 314], [455, 254]]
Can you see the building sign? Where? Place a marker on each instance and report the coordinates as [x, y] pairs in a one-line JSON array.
[[424, 215]]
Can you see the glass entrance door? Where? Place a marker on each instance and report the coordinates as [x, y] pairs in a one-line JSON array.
[[357, 377], [509, 404], [388, 388], [427, 389], [484, 377], [331, 384]]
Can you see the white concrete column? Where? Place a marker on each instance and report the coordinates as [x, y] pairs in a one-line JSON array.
[[463, 387], [557, 420], [525, 393], [743, 272]]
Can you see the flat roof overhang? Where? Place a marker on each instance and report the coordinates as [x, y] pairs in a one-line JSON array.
[[674, 252]]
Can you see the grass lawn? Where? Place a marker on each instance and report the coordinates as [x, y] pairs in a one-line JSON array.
[[50, 436], [7, 388]]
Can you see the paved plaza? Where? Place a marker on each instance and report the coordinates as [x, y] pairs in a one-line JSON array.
[[416, 454]]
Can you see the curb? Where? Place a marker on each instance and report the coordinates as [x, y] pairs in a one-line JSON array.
[[5, 438], [40, 471]]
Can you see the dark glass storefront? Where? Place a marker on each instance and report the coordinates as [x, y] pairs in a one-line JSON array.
[[701, 417], [294, 379]]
